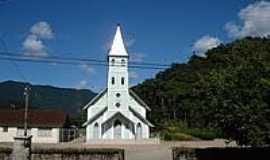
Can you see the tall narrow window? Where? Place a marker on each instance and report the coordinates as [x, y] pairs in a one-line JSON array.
[[113, 61], [122, 80], [44, 132], [5, 129], [139, 131], [113, 80], [122, 62], [96, 131]]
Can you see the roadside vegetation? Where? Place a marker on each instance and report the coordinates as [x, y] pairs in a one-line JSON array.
[[178, 130], [225, 94]]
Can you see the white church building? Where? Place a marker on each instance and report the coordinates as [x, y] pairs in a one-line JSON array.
[[117, 112]]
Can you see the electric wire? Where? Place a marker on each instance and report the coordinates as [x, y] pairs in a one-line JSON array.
[[17, 69], [75, 61]]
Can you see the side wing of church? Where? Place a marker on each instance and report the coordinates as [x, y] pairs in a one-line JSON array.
[[117, 112]]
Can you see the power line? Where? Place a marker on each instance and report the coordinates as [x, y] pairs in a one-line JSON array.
[[40, 60], [17, 69], [79, 59]]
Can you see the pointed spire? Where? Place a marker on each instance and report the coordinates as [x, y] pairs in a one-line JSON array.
[[118, 46]]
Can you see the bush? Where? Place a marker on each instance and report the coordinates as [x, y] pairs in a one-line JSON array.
[[177, 136], [205, 134], [177, 130]]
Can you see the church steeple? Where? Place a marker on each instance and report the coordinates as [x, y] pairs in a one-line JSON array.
[[118, 47], [117, 83]]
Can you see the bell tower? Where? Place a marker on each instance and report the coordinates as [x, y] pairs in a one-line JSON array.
[[117, 80]]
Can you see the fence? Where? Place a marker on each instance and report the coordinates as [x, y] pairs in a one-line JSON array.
[[70, 134], [262, 153], [54, 153]]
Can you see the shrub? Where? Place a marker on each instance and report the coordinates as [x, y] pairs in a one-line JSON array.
[[177, 130], [206, 134], [177, 136]]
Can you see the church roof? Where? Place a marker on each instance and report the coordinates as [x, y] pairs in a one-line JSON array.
[[131, 92], [115, 114], [118, 47], [138, 99], [95, 99], [141, 117], [95, 116]]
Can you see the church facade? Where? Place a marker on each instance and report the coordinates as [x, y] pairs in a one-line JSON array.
[[117, 112]]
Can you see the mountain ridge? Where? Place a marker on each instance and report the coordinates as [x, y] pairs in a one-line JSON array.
[[44, 96]]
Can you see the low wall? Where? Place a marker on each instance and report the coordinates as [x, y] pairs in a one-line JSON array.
[[68, 154], [124, 141], [4, 153], [221, 154]]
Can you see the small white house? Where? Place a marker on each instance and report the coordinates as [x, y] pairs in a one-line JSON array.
[[45, 126], [117, 112]]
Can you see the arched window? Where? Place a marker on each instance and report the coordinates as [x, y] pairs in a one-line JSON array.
[[96, 131], [122, 80], [113, 62], [139, 131], [113, 80], [122, 62]]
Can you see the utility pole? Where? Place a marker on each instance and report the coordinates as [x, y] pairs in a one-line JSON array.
[[26, 94], [22, 146]]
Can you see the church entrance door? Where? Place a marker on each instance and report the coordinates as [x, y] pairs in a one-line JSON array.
[[117, 128]]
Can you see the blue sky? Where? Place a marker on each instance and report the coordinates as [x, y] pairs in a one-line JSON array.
[[156, 31]]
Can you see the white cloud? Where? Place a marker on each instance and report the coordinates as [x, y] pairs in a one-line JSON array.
[[87, 68], [255, 20], [136, 57], [205, 43], [82, 84], [42, 30], [133, 74], [34, 45]]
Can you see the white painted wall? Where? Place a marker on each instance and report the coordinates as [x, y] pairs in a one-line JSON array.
[[118, 69], [13, 131], [8, 136], [126, 133]]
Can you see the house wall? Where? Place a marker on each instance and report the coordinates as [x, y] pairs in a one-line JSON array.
[[13, 131], [8, 136], [54, 138]]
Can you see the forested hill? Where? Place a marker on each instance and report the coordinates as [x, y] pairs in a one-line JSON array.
[[70, 100], [228, 90]]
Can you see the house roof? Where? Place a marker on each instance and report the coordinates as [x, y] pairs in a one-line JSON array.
[[36, 118], [131, 92]]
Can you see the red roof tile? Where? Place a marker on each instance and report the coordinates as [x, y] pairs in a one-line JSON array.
[[36, 118]]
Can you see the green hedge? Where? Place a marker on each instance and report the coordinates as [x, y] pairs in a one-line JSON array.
[[5, 150], [204, 133], [40, 150], [177, 130], [178, 136]]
